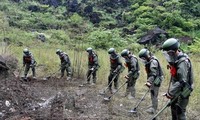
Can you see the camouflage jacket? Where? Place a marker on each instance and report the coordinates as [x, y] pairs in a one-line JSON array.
[[181, 72]]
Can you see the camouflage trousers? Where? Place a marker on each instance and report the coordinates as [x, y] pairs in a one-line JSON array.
[[27, 68], [178, 108], [113, 76], [154, 96], [91, 73], [130, 89], [68, 70]]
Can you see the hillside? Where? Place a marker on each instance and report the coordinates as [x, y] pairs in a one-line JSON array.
[[92, 21]]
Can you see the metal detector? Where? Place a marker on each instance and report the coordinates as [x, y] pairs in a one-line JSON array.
[[108, 98], [134, 110]]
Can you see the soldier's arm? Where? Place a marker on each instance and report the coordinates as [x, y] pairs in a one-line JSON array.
[[153, 71], [133, 67], [181, 76]]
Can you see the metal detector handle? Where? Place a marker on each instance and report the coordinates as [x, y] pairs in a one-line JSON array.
[[141, 99], [118, 89], [111, 82], [167, 105]]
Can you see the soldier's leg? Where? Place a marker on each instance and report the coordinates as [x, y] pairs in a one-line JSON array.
[[181, 108], [110, 77], [62, 71], [89, 75], [132, 86], [69, 73], [154, 97], [173, 110], [94, 76], [27, 67], [116, 82], [33, 71]]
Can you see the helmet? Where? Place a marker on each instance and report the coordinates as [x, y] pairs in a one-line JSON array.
[[171, 44], [89, 49], [111, 50], [58, 51], [125, 52], [144, 53], [26, 51]]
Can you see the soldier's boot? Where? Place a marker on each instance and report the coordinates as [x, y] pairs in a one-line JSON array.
[[69, 75], [150, 110], [25, 77], [115, 87], [94, 80], [110, 90], [33, 74], [132, 93], [126, 93]]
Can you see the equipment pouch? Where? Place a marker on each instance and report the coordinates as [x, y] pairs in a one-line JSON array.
[[157, 81], [186, 90]]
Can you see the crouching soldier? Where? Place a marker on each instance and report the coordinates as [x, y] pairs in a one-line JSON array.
[[28, 62], [65, 64], [115, 69], [131, 62], [154, 77], [92, 65]]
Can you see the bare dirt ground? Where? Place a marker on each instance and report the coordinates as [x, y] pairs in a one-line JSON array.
[[59, 99]]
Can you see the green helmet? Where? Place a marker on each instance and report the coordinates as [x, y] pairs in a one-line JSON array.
[[111, 50], [144, 53], [170, 44], [89, 49], [58, 51], [26, 51], [125, 52]]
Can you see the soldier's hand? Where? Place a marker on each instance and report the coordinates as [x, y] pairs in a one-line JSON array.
[[167, 95], [126, 76], [23, 65], [148, 84], [91, 69]]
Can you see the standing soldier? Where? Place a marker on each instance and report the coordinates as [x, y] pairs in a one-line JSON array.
[[131, 62], [65, 64], [181, 78], [92, 65], [154, 77], [28, 62], [116, 66]]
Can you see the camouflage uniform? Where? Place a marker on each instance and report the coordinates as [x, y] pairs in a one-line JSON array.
[[154, 72], [133, 74], [181, 72], [92, 66], [29, 62], [115, 65], [65, 64]]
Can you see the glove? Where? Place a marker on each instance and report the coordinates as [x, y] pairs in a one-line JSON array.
[[127, 77], [167, 95], [23, 65], [91, 69], [125, 65], [31, 65], [148, 84]]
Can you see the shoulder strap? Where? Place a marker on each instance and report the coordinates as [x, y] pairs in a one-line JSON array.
[[137, 64], [159, 67]]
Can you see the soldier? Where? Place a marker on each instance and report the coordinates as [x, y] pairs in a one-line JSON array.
[[92, 65], [154, 77], [181, 78], [65, 64], [28, 62], [131, 62], [116, 66]]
